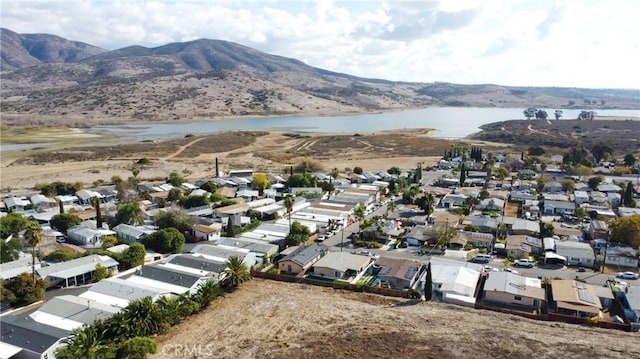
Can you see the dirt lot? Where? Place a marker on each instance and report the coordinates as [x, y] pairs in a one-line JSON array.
[[194, 157], [271, 319]]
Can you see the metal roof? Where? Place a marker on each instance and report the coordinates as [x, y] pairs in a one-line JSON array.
[[305, 254], [26, 333], [76, 267]]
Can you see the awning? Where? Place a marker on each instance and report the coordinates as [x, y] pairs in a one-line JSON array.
[[578, 307], [551, 255]]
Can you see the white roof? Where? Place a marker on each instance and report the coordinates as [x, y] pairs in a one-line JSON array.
[[158, 284], [456, 279], [76, 267]]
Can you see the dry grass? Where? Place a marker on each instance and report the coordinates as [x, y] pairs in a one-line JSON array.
[[270, 319]]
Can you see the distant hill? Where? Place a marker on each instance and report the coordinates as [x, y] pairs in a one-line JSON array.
[[49, 76]]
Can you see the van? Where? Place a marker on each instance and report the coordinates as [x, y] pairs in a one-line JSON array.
[[481, 258]]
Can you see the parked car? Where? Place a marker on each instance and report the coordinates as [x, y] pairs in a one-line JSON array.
[[580, 269], [523, 263], [481, 258], [490, 269], [321, 238], [507, 269], [627, 275], [615, 281]]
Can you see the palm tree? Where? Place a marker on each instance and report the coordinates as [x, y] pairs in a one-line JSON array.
[[144, 317], [289, 201], [359, 213], [33, 237], [391, 207], [236, 273], [170, 308], [85, 342], [207, 292], [117, 326]]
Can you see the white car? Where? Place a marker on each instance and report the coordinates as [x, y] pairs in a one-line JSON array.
[[507, 269], [615, 281], [523, 263], [627, 275]]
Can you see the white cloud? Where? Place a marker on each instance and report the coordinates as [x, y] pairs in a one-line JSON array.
[[519, 42]]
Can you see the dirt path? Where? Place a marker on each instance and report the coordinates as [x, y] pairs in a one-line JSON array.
[[269, 319], [182, 148]]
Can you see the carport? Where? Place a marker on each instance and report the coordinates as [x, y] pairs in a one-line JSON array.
[[553, 258]]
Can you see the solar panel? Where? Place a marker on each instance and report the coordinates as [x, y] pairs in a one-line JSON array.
[[581, 285], [587, 297]]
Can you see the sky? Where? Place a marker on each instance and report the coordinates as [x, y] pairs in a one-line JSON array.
[[565, 43]]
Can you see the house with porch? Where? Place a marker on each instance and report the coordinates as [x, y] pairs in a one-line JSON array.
[[118, 292], [485, 224], [525, 227], [85, 236], [513, 291], [341, 265], [300, 259], [522, 246], [76, 271], [399, 273], [576, 253], [23, 337], [573, 298]]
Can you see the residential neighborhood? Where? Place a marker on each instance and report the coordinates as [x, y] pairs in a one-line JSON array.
[[526, 243]]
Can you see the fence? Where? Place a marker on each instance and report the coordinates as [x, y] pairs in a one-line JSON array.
[[389, 292]]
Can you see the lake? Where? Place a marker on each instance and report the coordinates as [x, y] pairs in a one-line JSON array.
[[449, 123]]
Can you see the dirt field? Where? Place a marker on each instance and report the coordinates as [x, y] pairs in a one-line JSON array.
[[271, 319], [194, 157]]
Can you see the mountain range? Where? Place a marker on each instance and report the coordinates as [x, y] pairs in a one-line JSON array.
[[46, 76]]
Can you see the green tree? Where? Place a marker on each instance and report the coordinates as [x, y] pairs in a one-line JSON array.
[[358, 170], [175, 194], [568, 185], [12, 224], [536, 151], [428, 284], [96, 205], [260, 182], [207, 292], [168, 240], [62, 222], [626, 230], [601, 151], [463, 174], [133, 256], [108, 242], [426, 203], [100, 273], [306, 179], [85, 342], [144, 317], [576, 155], [61, 207], [10, 250], [231, 231], [61, 255], [594, 182], [359, 211], [235, 274], [193, 201], [177, 219], [25, 290], [391, 207], [209, 186], [629, 160], [137, 348], [130, 213], [582, 171], [175, 179], [546, 230], [170, 308], [627, 196], [298, 234], [394, 171]]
